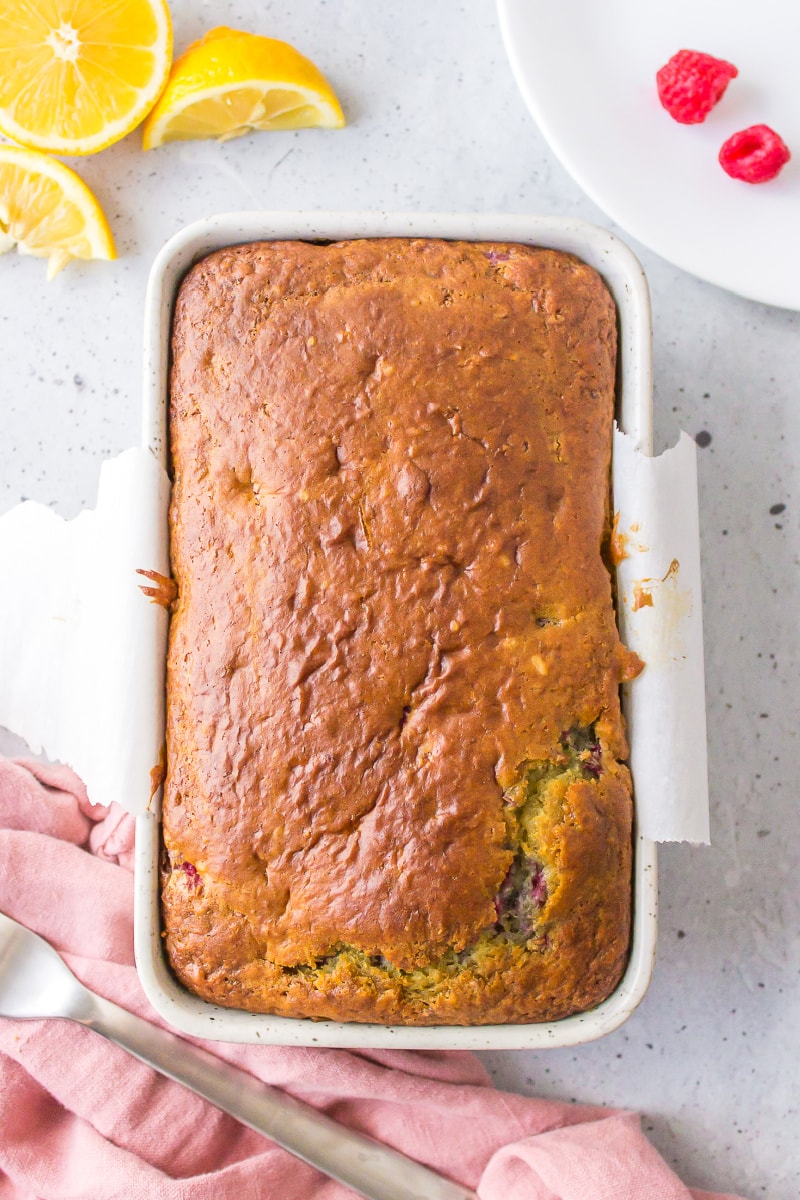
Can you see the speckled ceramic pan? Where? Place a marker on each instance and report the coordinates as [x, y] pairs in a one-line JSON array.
[[626, 281]]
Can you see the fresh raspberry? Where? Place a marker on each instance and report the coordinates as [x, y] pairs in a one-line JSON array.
[[754, 155], [691, 83]]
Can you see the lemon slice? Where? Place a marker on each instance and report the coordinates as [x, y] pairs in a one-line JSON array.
[[77, 75], [46, 210], [230, 83]]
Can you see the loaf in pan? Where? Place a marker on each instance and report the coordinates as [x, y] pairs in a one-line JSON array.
[[395, 787]]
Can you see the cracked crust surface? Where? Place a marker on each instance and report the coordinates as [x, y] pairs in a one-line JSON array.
[[395, 788]]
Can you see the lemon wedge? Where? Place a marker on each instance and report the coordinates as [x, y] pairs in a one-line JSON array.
[[47, 210], [230, 83], [77, 75]]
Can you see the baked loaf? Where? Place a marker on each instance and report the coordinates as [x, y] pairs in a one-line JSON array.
[[395, 789]]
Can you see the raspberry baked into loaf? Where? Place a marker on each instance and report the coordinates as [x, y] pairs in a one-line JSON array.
[[395, 786]]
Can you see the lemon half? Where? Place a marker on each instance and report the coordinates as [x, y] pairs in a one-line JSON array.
[[231, 83], [77, 75], [47, 210]]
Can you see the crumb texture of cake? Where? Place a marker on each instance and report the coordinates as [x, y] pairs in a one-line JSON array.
[[395, 787]]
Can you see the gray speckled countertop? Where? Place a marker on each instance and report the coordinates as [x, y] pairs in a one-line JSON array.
[[436, 123]]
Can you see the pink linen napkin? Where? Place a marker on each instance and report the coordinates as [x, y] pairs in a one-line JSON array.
[[81, 1118]]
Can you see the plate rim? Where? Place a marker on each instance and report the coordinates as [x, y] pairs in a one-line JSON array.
[[508, 12]]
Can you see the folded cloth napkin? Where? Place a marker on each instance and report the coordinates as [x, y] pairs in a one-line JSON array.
[[81, 1118]]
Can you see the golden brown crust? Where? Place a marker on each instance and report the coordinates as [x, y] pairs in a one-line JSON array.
[[393, 788]]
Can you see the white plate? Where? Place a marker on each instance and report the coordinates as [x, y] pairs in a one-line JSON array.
[[587, 74], [626, 281]]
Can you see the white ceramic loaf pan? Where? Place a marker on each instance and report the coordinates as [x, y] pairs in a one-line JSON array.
[[623, 275]]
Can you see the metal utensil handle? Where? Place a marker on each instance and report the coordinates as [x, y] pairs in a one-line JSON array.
[[368, 1167]]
